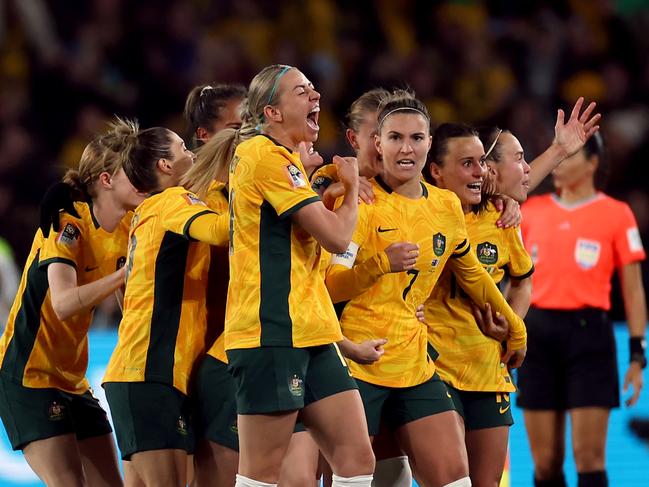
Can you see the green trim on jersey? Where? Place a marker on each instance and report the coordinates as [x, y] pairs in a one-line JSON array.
[[170, 268], [275, 270], [27, 322]]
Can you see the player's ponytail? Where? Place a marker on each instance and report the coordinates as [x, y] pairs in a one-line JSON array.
[[204, 107]]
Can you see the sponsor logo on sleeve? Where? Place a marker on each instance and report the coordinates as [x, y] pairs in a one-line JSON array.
[[69, 235], [587, 253], [192, 199], [633, 237], [347, 258], [295, 176]]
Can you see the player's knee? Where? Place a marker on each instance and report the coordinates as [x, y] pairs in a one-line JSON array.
[[350, 463], [297, 475], [589, 458], [548, 464]]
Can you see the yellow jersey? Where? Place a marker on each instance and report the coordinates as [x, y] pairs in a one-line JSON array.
[[276, 296], [387, 304], [468, 360], [37, 349], [164, 321], [217, 280]]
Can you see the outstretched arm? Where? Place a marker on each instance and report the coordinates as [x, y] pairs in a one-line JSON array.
[[569, 138]]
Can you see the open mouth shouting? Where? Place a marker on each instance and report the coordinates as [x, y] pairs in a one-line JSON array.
[[312, 118]]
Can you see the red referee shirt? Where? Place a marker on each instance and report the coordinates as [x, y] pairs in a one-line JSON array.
[[576, 248]]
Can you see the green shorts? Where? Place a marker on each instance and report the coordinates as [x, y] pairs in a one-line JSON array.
[[215, 407], [274, 379], [31, 414], [149, 416], [399, 406], [482, 410]]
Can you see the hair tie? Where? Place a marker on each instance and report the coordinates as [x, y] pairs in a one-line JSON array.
[[258, 128], [493, 144], [276, 82]]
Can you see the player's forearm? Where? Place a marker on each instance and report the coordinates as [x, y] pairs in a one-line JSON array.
[[211, 228], [77, 299], [347, 214], [544, 164], [345, 284], [480, 287], [633, 296], [519, 296]]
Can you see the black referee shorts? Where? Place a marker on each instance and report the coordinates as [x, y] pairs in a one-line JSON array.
[[571, 361]]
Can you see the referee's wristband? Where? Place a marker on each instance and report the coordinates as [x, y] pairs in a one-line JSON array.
[[637, 347]]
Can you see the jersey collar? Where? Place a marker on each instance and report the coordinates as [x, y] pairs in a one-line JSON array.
[[388, 189]]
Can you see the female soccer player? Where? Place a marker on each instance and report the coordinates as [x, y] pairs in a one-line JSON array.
[[212, 108], [470, 363], [162, 332], [399, 248], [280, 325], [46, 403], [577, 238]]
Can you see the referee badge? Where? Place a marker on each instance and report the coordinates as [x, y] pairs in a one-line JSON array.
[[439, 244], [587, 253]]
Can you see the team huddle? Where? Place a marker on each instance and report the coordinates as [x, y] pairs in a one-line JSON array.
[[285, 321]]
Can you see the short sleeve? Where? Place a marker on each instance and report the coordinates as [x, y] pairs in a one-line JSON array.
[[520, 264], [283, 184], [65, 245], [180, 209], [627, 244]]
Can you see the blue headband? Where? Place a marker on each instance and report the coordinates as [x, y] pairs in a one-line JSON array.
[[277, 78]]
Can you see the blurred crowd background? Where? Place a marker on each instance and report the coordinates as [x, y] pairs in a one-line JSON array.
[[67, 66]]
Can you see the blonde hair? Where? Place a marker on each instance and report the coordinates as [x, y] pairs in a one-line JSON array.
[[368, 102], [213, 159], [101, 155]]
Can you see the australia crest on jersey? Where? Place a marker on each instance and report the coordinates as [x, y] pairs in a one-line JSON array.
[[487, 253], [439, 244]]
